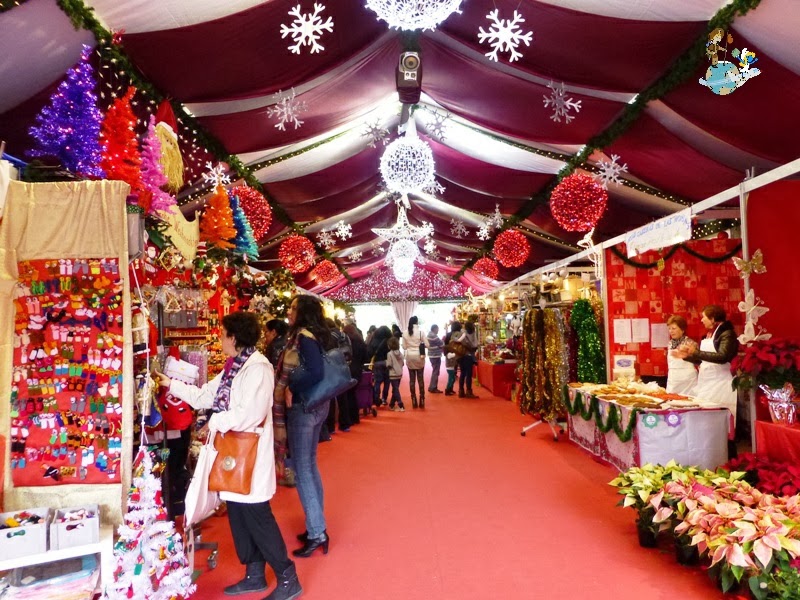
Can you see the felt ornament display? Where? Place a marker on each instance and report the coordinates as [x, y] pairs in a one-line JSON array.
[[486, 267], [256, 207], [167, 132], [325, 273], [578, 202], [120, 154], [511, 248], [297, 253], [216, 224]]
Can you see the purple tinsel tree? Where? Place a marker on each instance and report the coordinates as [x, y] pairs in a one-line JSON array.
[[245, 240], [153, 177], [69, 127]]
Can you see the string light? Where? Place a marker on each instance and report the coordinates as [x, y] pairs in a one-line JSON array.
[[379, 287], [407, 163], [511, 248], [578, 202], [486, 267], [413, 14], [325, 273], [297, 253]]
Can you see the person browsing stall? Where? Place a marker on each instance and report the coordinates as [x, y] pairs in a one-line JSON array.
[[681, 374], [240, 398]]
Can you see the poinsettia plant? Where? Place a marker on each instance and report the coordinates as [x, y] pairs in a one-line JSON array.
[[778, 478], [768, 362]]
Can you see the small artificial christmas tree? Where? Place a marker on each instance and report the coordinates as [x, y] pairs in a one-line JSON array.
[[216, 224], [151, 562], [153, 178], [69, 127], [245, 240], [121, 158]]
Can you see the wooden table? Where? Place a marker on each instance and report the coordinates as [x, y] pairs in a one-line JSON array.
[[780, 443], [497, 378]]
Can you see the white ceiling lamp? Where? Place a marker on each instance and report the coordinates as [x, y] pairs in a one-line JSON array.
[[407, 163], [413, 14], [402, 238]]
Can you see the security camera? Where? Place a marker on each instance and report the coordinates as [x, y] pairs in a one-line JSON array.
[[409, 77]]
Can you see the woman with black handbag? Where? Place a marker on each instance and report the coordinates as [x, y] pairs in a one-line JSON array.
[[309, 337], [241, 400], [414, 344]]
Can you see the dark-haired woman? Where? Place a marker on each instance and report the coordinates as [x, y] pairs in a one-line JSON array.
[[377, 351], [309, 337], [681, 374], [413, 340], [241, 400]]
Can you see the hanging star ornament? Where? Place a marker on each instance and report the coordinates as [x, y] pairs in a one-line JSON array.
[[403, 230], [754, 265], [610, 171], [504, 35]]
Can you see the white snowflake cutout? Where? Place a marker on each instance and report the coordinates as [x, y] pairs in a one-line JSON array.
[[355, 255], [450, 261], [325, 238], [437, 128], [426, 229], [378, 251], [561, 104], [496, 220], [457, 228], [610, 171], [504, 35], [376, 134], [429, 247], [485, 231], [434, 188], [343, 230], [287, 110], [216, 175], [306, 29]]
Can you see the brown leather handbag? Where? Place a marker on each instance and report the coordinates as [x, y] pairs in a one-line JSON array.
[[232, 470]]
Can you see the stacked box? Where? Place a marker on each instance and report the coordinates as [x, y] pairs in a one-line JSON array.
[[71, 533], [26, 539]]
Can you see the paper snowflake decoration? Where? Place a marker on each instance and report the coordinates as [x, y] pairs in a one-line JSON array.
[[325, 239], [504, 35], [435, 255], [427, 229], [437, 128], [485, 231], [287, 110], [496, 220], [434, 188], [306, 29], [355, 255], [430, 247], [450, 261], [610, 171], [376, 134], [216, 175], [457, 228], [561, 104], [378, 251], [343, 230]]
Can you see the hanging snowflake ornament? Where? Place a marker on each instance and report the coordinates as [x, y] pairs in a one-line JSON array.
[[216, 175], [378, 251], [355, 256], [343, 230], [496, 220], [429, 247], [457, 228], [450, 261], [504, 35], [435, 255], [560, 103], [287, 110], [325, 239], [610, 171], [434, 188], [436, 127], [376, 134], [485, 231], [413, 14], [306, 29]]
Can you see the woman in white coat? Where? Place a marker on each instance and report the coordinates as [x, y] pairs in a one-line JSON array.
[[241, 400], [682, 375], [413, 341]]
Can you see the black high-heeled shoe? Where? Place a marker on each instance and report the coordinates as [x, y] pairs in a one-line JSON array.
[[312, 544]]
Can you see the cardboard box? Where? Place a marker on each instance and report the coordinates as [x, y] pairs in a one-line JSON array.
[[27, 539], [68, 534], [624, 366]]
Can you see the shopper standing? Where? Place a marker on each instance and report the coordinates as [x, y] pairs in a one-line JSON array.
[[394, 360], [348, 409], [452, 359], [377, 351], [470, 341], [414, 344], [275, 336], [435, 345]]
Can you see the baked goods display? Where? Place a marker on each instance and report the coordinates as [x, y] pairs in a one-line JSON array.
[[635, 394]]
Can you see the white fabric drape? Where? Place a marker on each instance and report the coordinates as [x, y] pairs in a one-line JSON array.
[[403, 311]]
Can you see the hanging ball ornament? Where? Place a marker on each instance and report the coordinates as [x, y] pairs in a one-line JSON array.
[[325, 273], [404, 250], [403, 269], [413, 14], [297, 253], [578, 202], [256, 208], [407, 165], [511, 248], [486, 267]]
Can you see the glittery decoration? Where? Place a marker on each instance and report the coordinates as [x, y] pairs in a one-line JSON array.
[[487, 267], [325, 273], [556, 362], [591, 357], [256, 207], [544, 363], [578, 202], [511, 248], [380, 286], [297, 253], [572, 346]]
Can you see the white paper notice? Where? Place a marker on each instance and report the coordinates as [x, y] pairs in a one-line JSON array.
[[640, 330], [659, 336], [622, 331]]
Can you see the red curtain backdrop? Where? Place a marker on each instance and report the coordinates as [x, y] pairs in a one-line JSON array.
[[684, 287], [773, 214]]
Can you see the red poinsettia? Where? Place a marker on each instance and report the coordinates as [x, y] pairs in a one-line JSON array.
[[778, 479], [772, 363]]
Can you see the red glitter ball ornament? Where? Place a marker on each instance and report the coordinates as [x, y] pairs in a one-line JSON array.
[[578, 202], [511, 248], [297, 253], [325, 272], [486, 267], [256, 208]]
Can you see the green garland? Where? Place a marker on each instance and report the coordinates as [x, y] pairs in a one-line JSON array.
[[83, 17], [613, 421], [682, 69], [670, 253], [591, 357]]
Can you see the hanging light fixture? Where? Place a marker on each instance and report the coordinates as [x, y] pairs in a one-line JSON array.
[[407, 163], [413, 14], [402, 238], [403, 270]]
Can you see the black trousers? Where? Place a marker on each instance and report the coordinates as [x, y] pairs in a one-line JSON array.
[[256, 535]]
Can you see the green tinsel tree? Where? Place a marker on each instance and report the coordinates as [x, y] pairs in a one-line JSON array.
[[591, 359], [245, 241]]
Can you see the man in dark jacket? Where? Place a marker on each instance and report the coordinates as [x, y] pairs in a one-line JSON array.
[[275, 336]]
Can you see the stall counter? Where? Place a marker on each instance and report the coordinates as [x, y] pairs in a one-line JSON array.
[[497, 378]]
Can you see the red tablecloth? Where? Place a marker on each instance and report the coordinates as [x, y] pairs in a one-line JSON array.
[[498, 379], [778, 442]]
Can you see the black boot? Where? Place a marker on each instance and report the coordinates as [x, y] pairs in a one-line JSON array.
[[413, 402], [422, 401], [288, 586], [254, 581], [312, 544]]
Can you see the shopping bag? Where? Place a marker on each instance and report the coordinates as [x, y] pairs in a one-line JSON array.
[[200, 503]]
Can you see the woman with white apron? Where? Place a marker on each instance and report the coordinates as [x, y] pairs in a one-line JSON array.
[[714, 355], [682, 375]]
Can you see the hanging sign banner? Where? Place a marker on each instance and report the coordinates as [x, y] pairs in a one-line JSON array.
[[671, 230], [184, 234]]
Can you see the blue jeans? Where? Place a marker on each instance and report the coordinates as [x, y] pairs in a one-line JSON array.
[[303, 429], [396, 393], [465, 379], [436, 365], [380, 375]]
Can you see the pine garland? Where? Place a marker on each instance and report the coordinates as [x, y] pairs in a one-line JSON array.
[[613, 422], [591, 357], [671, 252]]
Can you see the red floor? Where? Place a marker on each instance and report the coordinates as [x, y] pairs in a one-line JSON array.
[[452, 503]]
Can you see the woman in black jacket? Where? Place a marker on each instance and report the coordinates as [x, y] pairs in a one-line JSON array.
[[377, 351], [348, 409]]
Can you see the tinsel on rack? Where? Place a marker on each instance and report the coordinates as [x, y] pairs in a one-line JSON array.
[[545, 363], [591, 358]]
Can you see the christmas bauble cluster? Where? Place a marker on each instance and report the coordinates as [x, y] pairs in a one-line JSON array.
[[578, 202], [511, 248], [256, 207], [297, 253], [325, 273], [486, 267]]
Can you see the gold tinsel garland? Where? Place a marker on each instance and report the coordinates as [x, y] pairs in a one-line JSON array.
[[544, 363], [556, 361]]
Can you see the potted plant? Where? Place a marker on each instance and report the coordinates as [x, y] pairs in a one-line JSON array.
[[772, 363], [782, 583]]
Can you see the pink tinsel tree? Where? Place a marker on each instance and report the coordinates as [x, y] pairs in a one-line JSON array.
[[153, 177]]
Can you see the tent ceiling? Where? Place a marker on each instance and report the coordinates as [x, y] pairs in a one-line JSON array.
[[227, 63]]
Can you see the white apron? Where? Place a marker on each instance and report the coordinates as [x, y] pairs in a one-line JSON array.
[[714, 382], [681, 376]]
